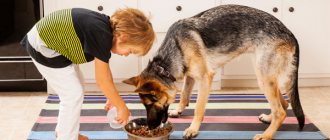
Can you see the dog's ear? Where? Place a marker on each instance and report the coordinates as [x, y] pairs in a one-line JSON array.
[[132, 81]]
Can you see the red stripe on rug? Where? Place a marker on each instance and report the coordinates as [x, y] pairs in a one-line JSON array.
[[182, 119]]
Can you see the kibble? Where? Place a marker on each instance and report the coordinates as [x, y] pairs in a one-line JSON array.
[[144, 131]]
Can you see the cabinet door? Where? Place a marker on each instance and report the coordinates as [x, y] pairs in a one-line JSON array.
[[145, 59], [103, 6], [165, 12], [49, 6], [310, 23], [121, 68], [242, 66]]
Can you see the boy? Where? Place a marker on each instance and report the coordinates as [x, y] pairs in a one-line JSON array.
[[75, 36]]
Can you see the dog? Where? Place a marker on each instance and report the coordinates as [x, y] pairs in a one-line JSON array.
[[194, 48]]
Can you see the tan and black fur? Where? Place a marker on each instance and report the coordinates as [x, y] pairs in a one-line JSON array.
[[194, 48]]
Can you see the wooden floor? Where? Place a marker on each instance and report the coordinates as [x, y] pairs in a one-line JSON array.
[[19, 110]]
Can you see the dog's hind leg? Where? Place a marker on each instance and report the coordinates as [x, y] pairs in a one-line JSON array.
[[271, 62], [184, 97], [268, 118], [287, 78], [277, 112]]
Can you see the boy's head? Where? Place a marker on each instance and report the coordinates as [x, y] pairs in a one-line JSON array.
[[132, 31]]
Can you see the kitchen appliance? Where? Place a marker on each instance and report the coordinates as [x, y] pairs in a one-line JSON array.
[[17, 71]]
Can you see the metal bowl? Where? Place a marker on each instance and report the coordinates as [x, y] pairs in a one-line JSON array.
[[136, 124]]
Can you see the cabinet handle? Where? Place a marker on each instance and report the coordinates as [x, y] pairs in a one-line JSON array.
[[178, 8], [275, 9], [291, 9], [100, 8]]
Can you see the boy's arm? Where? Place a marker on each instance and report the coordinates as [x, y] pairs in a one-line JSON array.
[[105, 83]]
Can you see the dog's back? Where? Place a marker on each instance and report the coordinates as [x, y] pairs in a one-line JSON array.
[[224, 32], [230, 26]]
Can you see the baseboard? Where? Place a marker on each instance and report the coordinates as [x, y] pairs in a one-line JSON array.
[[303, 82]]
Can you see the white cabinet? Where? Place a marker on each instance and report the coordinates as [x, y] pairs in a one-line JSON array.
[[121, 68], [165, 12], [309, 22], [159, 40], [103, 6]]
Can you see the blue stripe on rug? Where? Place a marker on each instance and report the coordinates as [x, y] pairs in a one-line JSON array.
[[49, 135]]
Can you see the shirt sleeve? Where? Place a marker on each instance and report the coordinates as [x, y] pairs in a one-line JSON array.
[[95, 33], [98, 43]]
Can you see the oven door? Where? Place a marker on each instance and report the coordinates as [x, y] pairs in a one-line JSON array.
[[17, 71]]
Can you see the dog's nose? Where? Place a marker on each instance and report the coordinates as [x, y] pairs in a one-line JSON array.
[[153, 124]]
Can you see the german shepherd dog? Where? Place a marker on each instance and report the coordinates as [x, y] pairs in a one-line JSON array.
[[195, 47]]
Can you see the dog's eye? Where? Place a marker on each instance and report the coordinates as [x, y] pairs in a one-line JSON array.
[[148, 99], [152, 98]]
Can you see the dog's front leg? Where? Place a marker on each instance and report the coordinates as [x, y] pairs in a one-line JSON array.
[[202, 98], [184, 97]]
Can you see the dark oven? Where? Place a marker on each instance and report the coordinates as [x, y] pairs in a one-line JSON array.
[[17, 72]]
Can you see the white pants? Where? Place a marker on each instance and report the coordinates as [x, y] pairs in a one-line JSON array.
[[66, 83]]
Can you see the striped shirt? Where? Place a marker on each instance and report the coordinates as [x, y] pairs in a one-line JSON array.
[[77, 34]]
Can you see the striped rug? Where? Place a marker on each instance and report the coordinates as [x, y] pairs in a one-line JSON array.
[[226, 117]]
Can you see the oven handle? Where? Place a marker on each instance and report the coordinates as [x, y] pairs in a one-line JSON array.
[[15, 59]]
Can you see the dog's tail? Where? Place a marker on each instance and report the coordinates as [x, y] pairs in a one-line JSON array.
[[294, 96]]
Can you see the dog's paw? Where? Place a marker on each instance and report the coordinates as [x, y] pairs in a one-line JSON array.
[[265, 118], [174, 113], [261, 137], [190, 133]]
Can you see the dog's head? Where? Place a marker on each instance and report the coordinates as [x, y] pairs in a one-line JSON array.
[[155, 96]]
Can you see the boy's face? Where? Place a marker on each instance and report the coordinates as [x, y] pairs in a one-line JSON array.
[[121, 50], [120, 47]]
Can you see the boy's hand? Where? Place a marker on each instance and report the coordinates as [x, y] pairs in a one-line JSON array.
[[108, 105], [123, 114]]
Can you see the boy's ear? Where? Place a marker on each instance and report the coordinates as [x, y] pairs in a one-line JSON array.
[[132, 81], [121, 37]]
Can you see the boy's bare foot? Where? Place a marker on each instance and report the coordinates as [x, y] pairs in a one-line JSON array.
[[82, 137]]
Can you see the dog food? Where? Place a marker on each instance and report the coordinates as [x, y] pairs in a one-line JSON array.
[[144, 131]]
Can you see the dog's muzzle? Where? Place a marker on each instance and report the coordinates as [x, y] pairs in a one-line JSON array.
[[156, 117]]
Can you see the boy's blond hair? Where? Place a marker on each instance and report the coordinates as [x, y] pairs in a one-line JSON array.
[[135, 26]]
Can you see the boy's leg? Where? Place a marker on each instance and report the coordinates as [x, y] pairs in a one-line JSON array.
[[65, 82]]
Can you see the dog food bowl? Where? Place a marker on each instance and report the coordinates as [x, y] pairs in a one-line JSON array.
[[137, 123]]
